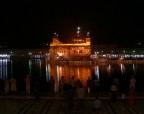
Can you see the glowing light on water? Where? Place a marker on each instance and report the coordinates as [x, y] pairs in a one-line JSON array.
[[11, 68], [30, 64], [47, 72], [40, 67], [122, 68], [134, 69], [97, 72], [3, 68], [0, 68], [58, 77], [109, 69], [78, 73]]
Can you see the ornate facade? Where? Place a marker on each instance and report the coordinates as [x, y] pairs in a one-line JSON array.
[[79, 49]]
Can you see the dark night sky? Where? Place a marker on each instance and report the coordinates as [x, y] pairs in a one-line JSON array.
[[32, 24]]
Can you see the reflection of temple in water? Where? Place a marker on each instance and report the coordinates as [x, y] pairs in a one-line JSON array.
[[78, 49], [79, 72]]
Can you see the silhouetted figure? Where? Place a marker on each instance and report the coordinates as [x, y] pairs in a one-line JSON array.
[[27, 82], [113, 90], [123, 97], [97, 105], [132, 98], [89, 85], [13, 84], [95, 85], [77, 83], [6, 86], [37, 91], [52, 86], [73, 84], [116, 82], [81, 95], [61, 83], [68, 94], [132, 82]]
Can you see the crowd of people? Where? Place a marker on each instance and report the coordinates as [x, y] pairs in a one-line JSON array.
[[71, 88]]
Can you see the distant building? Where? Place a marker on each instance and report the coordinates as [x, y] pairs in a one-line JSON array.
[[78, 49]]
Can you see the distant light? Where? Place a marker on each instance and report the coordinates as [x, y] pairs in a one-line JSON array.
[[78, 32], [78, 28], [121, 58], [139, 43], [30, 53], [88, 33]]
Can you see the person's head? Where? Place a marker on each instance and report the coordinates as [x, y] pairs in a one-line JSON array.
[[62, 77], [72, 77], [51, 77]]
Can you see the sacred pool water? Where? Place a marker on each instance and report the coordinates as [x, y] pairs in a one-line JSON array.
[[39, 69]]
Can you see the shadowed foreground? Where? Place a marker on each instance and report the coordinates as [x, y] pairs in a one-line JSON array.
[[59, 106]]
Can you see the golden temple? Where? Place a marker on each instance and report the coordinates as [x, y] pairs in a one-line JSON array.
[[78, 49]]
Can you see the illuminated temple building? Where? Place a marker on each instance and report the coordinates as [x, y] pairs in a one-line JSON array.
[[78, 49]]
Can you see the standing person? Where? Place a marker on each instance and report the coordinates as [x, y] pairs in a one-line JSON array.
[[68, 95], [52, 86], [89, 85], [27, 82], [6, 86], [132, 82], [13, 83], [95, 85], [61, 83], [116, 81], [132, 97], [73, 84], [66, 88], [123, 98], [113, 90], [97, 105], [77, 83], [37, 91], [81, 94]]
